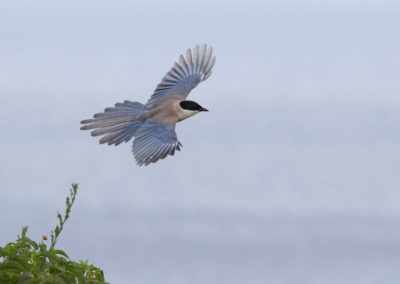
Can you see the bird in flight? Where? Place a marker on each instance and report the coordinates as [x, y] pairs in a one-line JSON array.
[[153, 125]]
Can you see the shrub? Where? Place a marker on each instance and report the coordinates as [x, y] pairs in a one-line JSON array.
[[29, 262]]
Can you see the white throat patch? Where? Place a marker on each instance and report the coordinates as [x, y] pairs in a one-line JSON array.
[[185, 113]]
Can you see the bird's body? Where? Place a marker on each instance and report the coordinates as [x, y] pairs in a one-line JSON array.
[[153, 124], [169, 110]]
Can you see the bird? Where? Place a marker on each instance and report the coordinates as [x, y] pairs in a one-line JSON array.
[[152, 125]]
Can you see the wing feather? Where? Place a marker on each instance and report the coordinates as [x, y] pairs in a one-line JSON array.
[[185, 75], [189, 60], [154, 141]]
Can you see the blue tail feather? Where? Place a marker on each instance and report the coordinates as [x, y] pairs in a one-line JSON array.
[[118, 124]]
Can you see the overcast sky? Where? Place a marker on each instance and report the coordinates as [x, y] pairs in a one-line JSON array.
[[293, 175]]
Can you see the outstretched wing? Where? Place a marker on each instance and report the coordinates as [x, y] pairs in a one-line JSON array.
[[154, 141], [185, 75]]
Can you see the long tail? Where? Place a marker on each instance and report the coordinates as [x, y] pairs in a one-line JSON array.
[[116, 124]]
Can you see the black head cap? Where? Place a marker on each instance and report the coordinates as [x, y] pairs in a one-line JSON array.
[[190, 105]]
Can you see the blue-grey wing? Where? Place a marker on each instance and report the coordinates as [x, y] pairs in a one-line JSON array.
[[184, 75], [154, 141]]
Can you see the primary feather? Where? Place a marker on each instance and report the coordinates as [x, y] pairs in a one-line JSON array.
[[185, 75]]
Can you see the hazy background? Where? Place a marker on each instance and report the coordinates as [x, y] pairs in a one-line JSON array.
[[292, 177]]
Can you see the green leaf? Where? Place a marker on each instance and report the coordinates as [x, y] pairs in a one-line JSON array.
[[61, 280], [60, 252], [49, 255], [31, 242], [59, 216], [21, 260], [77, 272], [3, 252], [24, 231], [11, 264], [55, 269], [25, 279]]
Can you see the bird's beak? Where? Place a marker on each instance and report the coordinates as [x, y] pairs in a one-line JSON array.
[[203, 109]]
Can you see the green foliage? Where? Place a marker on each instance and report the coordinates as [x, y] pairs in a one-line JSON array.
[[26, 261]]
